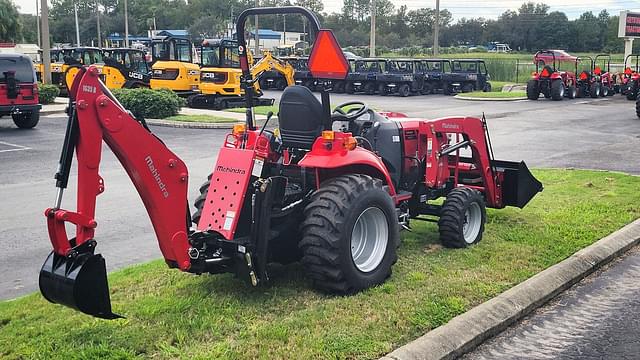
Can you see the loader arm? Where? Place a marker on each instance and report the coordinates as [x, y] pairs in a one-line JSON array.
[[160, 177], [268, 62]]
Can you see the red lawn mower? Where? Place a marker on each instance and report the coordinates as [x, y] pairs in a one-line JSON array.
[[548, 80], [331, 189]]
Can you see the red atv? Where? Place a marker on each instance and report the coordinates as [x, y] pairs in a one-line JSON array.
[[329, 189], [548, 80], [631, 77], [19, 90]]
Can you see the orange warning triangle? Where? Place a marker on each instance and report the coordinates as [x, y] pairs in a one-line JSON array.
[[327, 60]]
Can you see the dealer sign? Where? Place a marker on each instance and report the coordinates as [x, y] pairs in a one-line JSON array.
[[629, 26]]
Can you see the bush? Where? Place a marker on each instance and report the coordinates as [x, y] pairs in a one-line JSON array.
[[150, 104], [47, 93]]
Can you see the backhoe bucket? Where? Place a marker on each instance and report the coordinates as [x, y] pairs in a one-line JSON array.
[[79, 282], [519, 185]]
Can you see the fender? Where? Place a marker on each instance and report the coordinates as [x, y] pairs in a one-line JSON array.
[[334, 154]]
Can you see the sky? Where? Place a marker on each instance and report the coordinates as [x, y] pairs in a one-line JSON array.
[[468, 8]]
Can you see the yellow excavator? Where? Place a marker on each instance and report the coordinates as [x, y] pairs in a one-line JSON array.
[[220, 76], [125, 68], [65, 63], [172, 65]]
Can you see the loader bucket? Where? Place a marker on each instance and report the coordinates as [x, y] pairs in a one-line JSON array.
[[519, 185], [79, 283]]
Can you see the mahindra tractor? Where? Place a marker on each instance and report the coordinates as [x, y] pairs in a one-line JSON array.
[[331, 189], [585, 79], [362, 75], [630, 78], [548, 80], [602, 74], [172, 65]]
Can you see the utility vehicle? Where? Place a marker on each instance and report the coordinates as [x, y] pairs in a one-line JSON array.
[[19, 90], [400, 76], [468, 75]]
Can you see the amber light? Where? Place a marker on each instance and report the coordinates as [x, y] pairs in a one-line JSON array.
[[328, 135], [350, 143], [239, 129]]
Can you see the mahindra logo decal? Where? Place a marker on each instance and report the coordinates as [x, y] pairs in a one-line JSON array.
[[156, 176], [450, 126], [230, 170]]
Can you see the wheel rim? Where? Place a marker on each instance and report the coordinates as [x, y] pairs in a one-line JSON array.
[[369, 239], [472, 223]]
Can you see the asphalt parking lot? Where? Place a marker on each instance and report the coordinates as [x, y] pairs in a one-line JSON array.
[[582, 133]]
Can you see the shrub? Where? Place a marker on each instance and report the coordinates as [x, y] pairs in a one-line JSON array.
[[150, 104], [47, 93]]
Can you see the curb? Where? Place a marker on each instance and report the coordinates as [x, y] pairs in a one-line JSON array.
[[191, 125], [464, 332], [489, 99], [52, 112]]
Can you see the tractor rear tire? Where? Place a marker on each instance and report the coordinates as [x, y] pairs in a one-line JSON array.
[[26, 120], [595, 90], [572, 93], [350, 234], [533, 91], [199, 203], [462, 218], [632, 95], [557, 90], [604, 91]]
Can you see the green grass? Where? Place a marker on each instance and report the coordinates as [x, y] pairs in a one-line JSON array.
[[202, 118], [258, 110], [174, 315], [495, 94]]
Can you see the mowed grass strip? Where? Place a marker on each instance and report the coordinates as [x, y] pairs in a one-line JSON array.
[[173, 315], [202, 118]]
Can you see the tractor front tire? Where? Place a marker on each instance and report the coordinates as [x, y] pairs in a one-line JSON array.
[[462, 218], [572, 93], [26, 120], [632, 94], [604, 91], [199, 203], [533, 91], [595, 90], [557, 90], [350, 234]]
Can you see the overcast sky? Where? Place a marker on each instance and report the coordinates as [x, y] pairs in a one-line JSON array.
[[467, 8]]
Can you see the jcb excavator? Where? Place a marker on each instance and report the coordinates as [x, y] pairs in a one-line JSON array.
[[329, 189], [173, 67], [220, 76], [125, 68], [66, 61]]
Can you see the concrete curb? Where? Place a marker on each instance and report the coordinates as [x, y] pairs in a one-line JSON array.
[[466, 331], [52, 112], [191, 125], [489, 99]]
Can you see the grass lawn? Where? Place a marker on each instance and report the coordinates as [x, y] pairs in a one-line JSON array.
[[202, 118], [494, 94], [258, 110], [173, 315]]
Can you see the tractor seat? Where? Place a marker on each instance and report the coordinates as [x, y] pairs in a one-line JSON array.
[[300, 117]]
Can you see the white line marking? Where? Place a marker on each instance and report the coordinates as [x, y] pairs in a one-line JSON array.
[[19, 147]]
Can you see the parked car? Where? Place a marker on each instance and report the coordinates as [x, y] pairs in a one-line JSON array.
[[19, 90]]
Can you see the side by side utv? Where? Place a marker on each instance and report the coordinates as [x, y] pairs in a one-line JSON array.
[[329, 189], [468, 75], [401, 76]]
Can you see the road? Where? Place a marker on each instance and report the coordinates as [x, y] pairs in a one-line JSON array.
[[598, 134], [599, 318]]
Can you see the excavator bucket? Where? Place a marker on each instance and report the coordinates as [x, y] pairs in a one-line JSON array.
[[79, 282], [519, 185]]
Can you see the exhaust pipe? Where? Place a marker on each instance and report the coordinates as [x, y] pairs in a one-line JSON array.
[[78, 281]]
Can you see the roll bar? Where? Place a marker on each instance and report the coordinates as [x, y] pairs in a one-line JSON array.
[[247, 81]]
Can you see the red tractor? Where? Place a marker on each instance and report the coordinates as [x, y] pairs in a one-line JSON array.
[[330, 189], [589, 82], [631, 77], [548, 80], [602, 75]]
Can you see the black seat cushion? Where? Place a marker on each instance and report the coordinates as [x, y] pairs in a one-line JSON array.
[[300, 117]]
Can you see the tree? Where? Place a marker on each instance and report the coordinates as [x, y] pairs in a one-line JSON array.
[[10, 27]]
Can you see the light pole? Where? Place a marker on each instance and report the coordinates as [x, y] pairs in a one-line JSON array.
[[436, 29], [38, 23], [98, 24], [75, 11], [46, 46], [126, 25], [257, 35], [372, 40]]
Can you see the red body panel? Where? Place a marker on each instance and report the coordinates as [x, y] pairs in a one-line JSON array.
[[27, 95], [229, 183]]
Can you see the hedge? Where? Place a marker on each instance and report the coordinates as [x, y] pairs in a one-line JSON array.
[[47, 93], [150, 104]]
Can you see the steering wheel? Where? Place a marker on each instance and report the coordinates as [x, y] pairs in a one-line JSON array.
[[350, 114]]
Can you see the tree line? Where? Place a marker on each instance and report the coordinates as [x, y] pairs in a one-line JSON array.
[[530, 27]]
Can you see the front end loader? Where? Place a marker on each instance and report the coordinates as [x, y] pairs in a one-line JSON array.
[[329, 189]]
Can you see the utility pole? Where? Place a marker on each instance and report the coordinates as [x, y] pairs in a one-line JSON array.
[[38, 23], [75, 11], [372, 40], [436, 30], [257, 35], [98, 24], [126, 25], [284, 19], [46, 46]]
